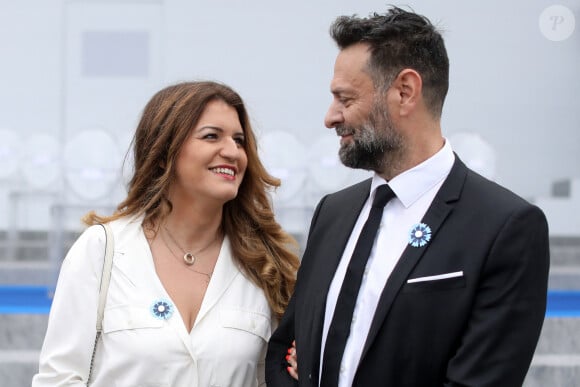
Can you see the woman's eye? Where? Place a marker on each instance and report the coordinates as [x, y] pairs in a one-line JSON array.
[[210, 136], [240, 140]]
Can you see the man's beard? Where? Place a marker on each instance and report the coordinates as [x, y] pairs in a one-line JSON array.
[[375, 145]]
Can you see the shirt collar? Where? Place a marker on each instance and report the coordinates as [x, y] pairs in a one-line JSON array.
[[410, 185]]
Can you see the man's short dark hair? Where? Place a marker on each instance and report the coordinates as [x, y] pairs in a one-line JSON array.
[[399, 39]]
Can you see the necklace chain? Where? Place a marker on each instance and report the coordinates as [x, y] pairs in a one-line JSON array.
[[188, 258], [208, 275]]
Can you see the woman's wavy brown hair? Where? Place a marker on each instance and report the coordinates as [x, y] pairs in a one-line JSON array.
[[264, 251]]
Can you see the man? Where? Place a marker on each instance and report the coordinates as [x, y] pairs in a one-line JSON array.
[[454, 289]]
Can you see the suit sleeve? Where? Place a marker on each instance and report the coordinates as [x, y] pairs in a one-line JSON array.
[[281, 340], [509, 307], [68, 344]]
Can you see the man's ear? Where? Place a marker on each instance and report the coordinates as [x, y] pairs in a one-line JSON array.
[[408, 86]]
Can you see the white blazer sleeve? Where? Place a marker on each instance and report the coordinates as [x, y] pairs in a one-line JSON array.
[[261, 371], [66, 353]]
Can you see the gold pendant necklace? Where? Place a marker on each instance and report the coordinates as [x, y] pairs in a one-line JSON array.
[[188, 258], [208, 275]]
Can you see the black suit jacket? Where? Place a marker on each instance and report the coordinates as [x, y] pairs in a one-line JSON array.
[[480, 329]]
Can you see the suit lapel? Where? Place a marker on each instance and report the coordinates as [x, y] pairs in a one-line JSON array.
[[335, 227], [331, 228], [434, 217]]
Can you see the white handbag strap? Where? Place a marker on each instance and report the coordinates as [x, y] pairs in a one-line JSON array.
[[106, 276], [105, 279]]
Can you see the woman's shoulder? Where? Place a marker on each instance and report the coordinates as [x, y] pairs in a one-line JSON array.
[[125, 230], [123, 223], [93, 238]]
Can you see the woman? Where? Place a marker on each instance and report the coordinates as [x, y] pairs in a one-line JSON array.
[[201, 269]]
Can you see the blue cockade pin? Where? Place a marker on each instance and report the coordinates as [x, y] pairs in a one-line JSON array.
[[419, 235], [162, 309]]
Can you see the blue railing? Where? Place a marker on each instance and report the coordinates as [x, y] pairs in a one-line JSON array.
[[37, 299], [24, 299], [563, 303]]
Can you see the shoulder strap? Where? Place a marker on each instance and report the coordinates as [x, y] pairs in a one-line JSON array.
[[106, 276], [105, 279]]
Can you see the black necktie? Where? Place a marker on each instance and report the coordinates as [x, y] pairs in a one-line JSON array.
[[340, 326]]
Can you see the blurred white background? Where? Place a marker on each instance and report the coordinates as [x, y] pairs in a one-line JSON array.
[[75, 75]]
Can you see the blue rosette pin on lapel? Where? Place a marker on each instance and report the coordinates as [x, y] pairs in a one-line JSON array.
[[162, 309], [419, 235]]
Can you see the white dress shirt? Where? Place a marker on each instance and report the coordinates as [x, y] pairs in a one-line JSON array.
[[226, 346], [415, 190]]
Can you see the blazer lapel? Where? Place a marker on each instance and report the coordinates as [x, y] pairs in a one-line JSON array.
[[133, 257], [223, 275], [134, 262], [434, 218], [331, 227], [225, 271], [335, 226]]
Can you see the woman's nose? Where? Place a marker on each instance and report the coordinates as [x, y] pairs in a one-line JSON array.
[[230, 149]]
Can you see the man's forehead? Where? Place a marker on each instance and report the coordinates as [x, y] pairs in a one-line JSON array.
[[350, 70], [356, 56]]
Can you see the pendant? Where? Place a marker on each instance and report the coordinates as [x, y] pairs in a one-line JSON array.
[[189, 259]]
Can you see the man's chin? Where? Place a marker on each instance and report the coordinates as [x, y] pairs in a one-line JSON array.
[[352, 162], [356, 161]]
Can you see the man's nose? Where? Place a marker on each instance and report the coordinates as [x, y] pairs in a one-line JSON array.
[[333, 116]]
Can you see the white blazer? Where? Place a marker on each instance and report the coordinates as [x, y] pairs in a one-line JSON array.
[[226, 346]]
